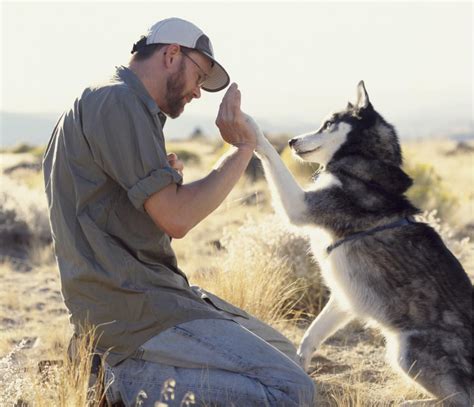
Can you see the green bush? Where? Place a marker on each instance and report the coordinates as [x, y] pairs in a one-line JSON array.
[[38, 151], [429, 191], [22, 148], [188, 157]]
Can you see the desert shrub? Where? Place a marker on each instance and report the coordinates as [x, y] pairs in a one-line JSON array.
[[221, 148], [254, 170], [279, 141], [188, 157], [428, 191], [21, 148], [269, 271], [13, 384], [23, 216], [300, 169], [26, 148], [29, 166], [462, 248], [462, 147], [58, 382], [38, 152]]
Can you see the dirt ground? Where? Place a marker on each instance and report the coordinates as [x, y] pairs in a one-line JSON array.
[[349, 369]]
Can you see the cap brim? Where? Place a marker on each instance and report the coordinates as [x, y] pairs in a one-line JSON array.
[[218, 78]]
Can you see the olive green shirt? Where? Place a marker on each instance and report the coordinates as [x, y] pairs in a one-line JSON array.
[[106, 156]]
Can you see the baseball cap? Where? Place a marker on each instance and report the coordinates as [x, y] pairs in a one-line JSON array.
[[178, 31]]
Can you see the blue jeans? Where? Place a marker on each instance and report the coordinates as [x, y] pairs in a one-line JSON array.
[[239, 362]]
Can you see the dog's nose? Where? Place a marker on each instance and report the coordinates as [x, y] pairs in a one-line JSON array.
[[291, 142]]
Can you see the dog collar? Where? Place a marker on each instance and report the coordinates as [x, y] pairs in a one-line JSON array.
[[401, 222]]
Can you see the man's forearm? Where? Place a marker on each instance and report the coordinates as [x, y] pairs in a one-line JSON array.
[[176, 209]]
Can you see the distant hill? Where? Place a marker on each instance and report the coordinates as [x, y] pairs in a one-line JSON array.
[[36, 128], [31, 128]]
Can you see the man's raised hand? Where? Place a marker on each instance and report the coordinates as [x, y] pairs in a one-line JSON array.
[[234, 127]]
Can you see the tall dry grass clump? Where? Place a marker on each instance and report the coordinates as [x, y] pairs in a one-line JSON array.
[[61, 382], [13, 383], [267, 270]]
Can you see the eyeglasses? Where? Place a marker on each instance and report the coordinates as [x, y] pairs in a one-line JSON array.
[[202, 78]]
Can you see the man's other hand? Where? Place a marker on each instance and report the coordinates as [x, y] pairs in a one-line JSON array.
[[232, 123], [175, 163]]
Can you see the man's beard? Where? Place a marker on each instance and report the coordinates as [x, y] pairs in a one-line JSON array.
[[175, 98]]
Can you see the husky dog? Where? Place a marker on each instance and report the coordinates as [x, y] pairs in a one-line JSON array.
[[380, 265]]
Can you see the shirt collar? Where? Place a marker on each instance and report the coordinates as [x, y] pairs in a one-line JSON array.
[[129, 77]]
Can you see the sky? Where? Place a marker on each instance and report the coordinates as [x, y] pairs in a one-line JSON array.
[[293, 61]]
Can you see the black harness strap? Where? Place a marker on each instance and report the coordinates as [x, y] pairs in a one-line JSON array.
[[358, 235]]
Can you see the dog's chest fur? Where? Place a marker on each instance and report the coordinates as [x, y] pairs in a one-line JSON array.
[[335, 268], [344, 276]]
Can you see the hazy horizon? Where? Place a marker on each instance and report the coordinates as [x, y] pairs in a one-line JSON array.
[[294, 62]]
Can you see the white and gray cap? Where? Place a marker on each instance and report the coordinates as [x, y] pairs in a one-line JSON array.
[[178, 31]]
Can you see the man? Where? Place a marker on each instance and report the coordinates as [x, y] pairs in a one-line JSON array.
[[116, 199]]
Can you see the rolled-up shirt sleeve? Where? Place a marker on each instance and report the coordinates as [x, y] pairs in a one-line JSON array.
[[127, 144]]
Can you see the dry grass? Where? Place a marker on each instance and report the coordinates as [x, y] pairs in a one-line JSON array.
[[245, 284], [233, 253], [454, 170], [59, 381]]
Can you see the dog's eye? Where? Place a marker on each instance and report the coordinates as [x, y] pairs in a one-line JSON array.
[[328, 124]]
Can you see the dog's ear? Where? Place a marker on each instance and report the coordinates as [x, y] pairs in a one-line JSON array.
[[362, 97]]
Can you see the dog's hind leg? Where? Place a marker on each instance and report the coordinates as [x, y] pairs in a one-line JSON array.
[[422, 357], [329, 320]]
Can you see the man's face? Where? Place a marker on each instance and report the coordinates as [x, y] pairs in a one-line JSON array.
[[185, 84], [175, 91]]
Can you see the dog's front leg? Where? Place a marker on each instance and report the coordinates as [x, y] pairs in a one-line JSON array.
[[288, 196], [329, 320]]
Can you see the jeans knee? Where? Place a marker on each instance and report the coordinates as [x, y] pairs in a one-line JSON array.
[[299, 391], [307, 392]]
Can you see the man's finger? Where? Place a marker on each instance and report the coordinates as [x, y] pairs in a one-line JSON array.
[[231, 103], [236, 102], [223, 107]]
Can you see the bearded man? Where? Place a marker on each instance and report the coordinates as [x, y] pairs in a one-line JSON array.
[[116, 199]]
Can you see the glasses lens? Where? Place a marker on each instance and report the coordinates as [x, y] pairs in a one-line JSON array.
[[203, 76]]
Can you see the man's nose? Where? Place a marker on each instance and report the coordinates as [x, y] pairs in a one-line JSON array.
[[292, 142]]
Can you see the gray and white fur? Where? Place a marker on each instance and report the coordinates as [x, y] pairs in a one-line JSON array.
[[403, 279]]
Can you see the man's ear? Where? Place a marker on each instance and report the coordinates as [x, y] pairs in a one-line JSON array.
[[171, 51]]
